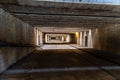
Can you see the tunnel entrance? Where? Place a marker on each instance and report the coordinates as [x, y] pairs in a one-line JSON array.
[[81, 39], [59, 38]]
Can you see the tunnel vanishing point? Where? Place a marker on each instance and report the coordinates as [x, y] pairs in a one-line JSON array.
[[59, 39]]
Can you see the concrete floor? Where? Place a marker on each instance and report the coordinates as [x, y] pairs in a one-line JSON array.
[[66, 63]]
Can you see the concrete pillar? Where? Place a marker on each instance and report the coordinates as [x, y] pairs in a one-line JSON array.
[[68, 38], [41, 38], [46, 38], [49, 38], [84, 35], [37, 39], [62, 38], [90, 39], [81, 38], [78, 37]]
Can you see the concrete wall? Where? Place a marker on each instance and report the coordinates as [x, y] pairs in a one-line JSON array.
[[73, 39], [14, 33], [95, 39], [107, 38]]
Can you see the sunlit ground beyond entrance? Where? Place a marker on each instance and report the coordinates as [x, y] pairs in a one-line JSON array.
[[57, 46]]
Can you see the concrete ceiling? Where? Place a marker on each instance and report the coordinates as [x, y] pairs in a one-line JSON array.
[[60, 30], [58, 14]]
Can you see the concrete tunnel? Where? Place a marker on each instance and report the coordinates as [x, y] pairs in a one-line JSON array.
[[59, 39]]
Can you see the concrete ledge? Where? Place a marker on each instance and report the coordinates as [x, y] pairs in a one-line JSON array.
[[2, 44], [10, 55]]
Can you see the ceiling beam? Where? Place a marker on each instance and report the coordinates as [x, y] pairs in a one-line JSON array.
[[67, 24], [67, 18]]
